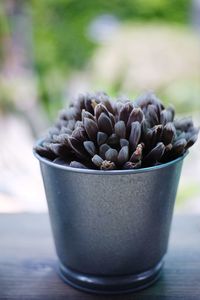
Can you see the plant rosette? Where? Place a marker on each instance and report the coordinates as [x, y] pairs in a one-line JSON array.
[[111, 171]]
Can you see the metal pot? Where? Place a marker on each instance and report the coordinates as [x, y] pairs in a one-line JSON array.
[[110, 228]]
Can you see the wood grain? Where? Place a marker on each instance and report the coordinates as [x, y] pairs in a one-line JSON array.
[[28, 262]]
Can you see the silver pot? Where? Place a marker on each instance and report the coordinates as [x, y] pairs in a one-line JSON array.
[[110, 228]]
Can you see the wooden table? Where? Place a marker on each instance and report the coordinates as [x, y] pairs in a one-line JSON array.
[[28, 262]]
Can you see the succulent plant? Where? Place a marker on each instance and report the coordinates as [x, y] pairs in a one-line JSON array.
[[98, 133]]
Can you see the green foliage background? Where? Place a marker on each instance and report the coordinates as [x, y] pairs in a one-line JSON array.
[[60, 25], [61, 43]]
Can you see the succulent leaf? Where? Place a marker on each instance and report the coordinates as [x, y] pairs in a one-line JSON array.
[[111, 155], [105, 124], [100, 108], [168, 134], [91, 128], [120, 129], [76, 164], [101, 137], [135, 115], [135, 134], [154, 155], [102, 150], [113, 139], [124, 142], [123, 155], [97, 160], [90, 147], [125, 112]]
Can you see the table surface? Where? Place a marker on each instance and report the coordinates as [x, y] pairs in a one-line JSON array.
[[28, 267]]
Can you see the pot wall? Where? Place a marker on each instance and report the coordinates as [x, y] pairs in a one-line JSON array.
[[111, 224]]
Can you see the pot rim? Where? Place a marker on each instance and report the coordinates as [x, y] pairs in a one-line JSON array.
[[103, 172]]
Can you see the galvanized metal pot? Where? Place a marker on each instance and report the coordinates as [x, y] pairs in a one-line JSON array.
[[110, 228]]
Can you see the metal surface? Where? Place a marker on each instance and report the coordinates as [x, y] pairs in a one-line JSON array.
[[108, 224], [110, 284]]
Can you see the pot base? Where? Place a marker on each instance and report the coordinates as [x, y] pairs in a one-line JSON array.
[[110, 284]]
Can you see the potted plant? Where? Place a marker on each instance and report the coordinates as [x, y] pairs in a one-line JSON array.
[[111, 171]]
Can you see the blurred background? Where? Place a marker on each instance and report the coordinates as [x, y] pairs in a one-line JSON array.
[[51, 50]]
